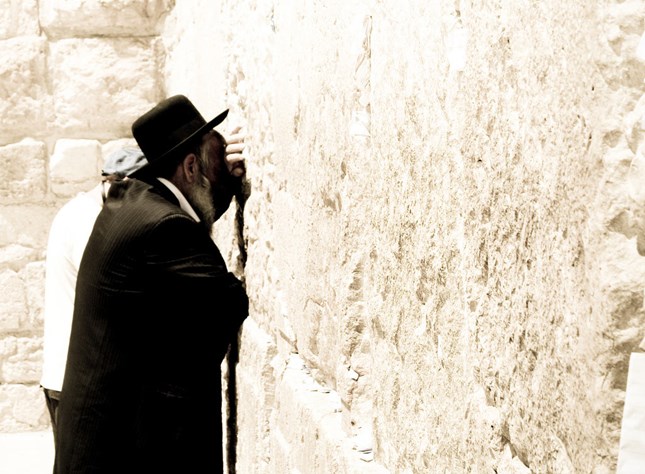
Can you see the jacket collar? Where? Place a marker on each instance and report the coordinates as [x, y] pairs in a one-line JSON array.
[[183, 202]]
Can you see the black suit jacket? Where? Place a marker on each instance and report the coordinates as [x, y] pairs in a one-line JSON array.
[[154, 313]]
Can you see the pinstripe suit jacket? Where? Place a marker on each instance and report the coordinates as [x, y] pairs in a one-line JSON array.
[[154, 313]]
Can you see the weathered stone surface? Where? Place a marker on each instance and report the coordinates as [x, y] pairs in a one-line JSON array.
[[256, 380], [102, 101], [18, 18], [306, 428], [15, 257], [206, 83], [20, 360], [26, 226], [439, 213], [22, 408], [74, 166], [445, 231], [75, 160], [23, 171], [13, 302], [24, 103], [305, 437], [64, 18], [34, 278]]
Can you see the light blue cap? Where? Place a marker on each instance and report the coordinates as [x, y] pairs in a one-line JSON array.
[[124, 161]]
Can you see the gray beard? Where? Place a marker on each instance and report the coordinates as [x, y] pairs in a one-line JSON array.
[[201, 198]]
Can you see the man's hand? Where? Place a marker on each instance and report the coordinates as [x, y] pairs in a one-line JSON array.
[[234, 152]]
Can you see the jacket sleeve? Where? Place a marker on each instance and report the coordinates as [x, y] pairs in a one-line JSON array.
[[196, 291]]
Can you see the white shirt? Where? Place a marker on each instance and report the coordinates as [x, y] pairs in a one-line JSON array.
[[68, 236]]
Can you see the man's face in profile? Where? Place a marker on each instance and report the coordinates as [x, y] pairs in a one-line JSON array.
[[212, 194]]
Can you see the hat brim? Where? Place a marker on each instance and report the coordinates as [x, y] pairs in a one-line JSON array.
[[197, 133]]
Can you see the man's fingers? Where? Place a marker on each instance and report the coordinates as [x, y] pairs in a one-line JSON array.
[[235, 130], [236, 165], [233, 160], [234, 148], [238, 168], [235, 136]]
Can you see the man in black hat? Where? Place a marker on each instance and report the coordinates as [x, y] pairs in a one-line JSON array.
[[155, 310]]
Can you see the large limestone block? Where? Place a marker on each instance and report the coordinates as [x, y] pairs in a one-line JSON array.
[[34, 278], [22, 408], [23, 97], [192, 43], [15, 257], [74, 166], [483, 265], [22, 171], [103, 100], [255, 373], [20, 359], [13, 302], [18, 18], [307, 423], [26, 226], [65, 19], [314, 242]]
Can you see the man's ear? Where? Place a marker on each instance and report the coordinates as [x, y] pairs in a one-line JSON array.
[[190, 168]]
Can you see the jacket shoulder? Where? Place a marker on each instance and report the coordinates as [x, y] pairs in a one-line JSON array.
[[147, 201]]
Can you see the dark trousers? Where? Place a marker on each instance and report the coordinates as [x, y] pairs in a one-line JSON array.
[[52, 397]]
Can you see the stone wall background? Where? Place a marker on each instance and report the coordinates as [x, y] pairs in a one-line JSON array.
[[445, 227]]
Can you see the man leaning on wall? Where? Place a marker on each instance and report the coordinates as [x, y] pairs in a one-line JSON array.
[[155, 309]]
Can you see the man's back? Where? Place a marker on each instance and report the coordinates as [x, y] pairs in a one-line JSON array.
[[155, 311]]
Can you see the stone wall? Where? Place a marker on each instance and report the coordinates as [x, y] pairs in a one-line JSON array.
[[444, 237], [73, 77], [442, 231]]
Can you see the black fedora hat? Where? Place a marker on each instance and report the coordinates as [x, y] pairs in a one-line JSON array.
[[169, 128]]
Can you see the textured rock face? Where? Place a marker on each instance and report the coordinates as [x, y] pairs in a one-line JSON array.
[[442, 231], [122, 79], [444, 239], [23, 98], [130, 18]]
